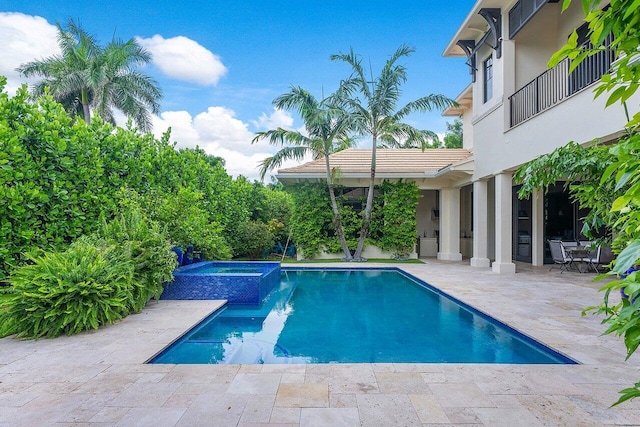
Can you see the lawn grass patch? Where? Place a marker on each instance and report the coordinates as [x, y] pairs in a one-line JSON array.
[[288, 260], [4, 307], [368, 261]]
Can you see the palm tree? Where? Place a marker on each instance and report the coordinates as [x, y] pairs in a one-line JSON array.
[[87, 76], [373, 106], [327, 131]]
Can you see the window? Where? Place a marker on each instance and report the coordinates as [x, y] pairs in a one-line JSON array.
[[522, 12], [487, 67]]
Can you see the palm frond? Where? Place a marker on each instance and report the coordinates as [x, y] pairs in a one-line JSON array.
[[298, 100], [275, 161], [282, 136], [358, 80], [426, 103], [402, 135]]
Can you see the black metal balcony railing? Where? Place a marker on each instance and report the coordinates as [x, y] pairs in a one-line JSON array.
[[556, 84]]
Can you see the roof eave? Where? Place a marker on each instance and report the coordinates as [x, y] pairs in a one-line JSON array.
[[452, 48], [466, 166], [464, 100], [359, 175]]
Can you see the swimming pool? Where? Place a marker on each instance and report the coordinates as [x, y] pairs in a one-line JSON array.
[[355, 316]]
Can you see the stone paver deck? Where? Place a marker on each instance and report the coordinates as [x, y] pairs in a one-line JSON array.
[[99, 377]]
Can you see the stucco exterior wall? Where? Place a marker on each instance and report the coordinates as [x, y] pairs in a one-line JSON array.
[[535, 44], [369, 251], [579, 118], [426, 224], [467, 130]]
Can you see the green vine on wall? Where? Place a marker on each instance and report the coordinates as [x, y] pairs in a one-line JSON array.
[[393, 223], [399, 214]]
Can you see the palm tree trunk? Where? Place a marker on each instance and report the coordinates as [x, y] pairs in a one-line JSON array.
[[337, 222], [84, 100], [366, 220]]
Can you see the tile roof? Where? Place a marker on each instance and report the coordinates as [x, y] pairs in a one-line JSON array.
[[394, 161]]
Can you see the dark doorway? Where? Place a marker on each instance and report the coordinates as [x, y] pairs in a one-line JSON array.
[[560, 217], [522, 227]]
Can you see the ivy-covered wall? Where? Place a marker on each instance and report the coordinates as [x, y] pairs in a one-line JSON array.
[[393, 222]]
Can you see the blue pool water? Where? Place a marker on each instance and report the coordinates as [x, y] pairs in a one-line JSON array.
[[351, 316]]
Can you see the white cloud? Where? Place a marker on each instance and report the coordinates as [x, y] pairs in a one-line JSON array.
[[217, 130], [219, 125], [185, 59], [220, 133], [277, 119], [24, 38]]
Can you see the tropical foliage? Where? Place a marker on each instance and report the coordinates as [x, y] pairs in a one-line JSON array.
[[373, 106], [257, 239], [611, 175], [146, 246], [88, 77], [67, 292], [581, 169], [187, 221], [97, 280], [327, 131], [58, 178], [453, 137]]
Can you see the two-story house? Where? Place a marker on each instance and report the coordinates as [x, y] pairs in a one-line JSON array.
[[516, 109], [513, 110]]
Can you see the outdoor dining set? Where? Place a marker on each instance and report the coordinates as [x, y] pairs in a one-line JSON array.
[[582, 256]]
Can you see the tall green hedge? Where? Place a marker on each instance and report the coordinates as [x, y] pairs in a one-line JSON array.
[[59, 177], [51, 178]]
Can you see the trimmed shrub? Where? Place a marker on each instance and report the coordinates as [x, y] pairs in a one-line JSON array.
[[51, 178], [256, 239], [187, 222]]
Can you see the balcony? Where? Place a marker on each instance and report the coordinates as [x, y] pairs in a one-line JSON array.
[[556, 84]]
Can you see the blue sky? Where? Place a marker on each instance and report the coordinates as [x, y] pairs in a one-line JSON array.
[[221, 63]]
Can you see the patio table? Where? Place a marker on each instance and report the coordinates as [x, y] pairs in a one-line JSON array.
[[578, 255]]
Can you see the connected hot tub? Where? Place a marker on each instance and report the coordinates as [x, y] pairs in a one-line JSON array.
[[237, 282]]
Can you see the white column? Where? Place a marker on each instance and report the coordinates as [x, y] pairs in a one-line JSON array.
[[450, 225], [504, 226], [480, 235], [537, 228]]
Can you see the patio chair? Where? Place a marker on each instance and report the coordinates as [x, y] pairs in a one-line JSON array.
[[568, 243], [606, 256], [593, 259], [559, 256]]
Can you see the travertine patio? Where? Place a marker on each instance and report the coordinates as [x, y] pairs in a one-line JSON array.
[[99, 378]]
